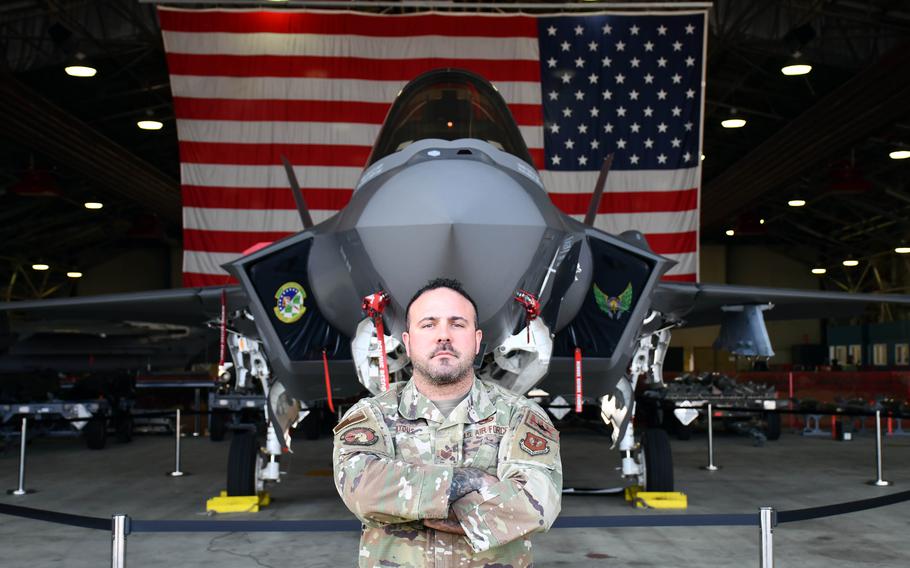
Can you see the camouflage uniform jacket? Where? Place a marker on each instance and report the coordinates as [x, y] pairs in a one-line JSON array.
[[394, 456]]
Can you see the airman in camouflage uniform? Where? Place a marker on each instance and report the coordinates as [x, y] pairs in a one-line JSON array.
[[394, 459], [447, 470]]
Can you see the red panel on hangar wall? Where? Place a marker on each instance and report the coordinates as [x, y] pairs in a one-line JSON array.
[[829, 386]]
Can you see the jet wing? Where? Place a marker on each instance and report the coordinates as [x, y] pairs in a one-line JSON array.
[[183, 306], [700, 304]]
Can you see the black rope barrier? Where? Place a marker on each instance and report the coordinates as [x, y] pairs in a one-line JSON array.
[[592, 521], [841, 508], [55, 517]]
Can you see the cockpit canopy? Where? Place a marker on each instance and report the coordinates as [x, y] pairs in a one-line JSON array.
[[449, 104]]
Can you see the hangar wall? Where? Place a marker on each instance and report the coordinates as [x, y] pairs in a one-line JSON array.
[[748, 265], [133, 270]]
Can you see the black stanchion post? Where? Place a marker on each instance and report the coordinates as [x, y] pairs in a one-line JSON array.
[[197, 406], [766, 515], [119, 530], [711, 466], [878, 481]]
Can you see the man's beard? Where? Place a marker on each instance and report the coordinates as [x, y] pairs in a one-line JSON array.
[[447, 375]]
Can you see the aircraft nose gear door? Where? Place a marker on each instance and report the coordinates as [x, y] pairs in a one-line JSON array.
[[366, 350]]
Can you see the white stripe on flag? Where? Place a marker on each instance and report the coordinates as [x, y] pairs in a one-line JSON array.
[[207, 262], [299, 88], [248, 220], [218, 175], [672, 222], [622, 180], [319, 45], [687, 263], [267, 132]]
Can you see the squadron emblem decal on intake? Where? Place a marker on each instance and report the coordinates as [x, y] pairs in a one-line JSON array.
[[614, 306], [359, 437], [534, 445], [289, 302]]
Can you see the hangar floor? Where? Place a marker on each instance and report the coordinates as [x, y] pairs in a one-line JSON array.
[[792, 473]]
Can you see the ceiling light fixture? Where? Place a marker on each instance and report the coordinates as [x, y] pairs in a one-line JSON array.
[[902, 250], [730, 232], [761, 221], [850, 262], [150, 124], [899, 154], [40, 266], [703, 157], [819, 271], [80, 67], [796, 202], [93, 205], [74, 274], [796, 66], [735, 121]]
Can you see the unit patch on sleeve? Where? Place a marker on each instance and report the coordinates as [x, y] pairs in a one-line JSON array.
[[359, 437], [534, 445]]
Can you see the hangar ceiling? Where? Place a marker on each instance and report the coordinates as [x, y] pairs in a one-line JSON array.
[[824, 137]]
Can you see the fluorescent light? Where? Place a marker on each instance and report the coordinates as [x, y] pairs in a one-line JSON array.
[[40, 266], [796, 69], [149, 124], [899, 154], [74, 274], [730, 232], [733, 123], [850, 262], [796, 202], [80, 71], [902, 250], [819, 271], [93, 205]]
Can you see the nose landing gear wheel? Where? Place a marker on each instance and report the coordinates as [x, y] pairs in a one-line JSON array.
[[242, 463], [658, 460]]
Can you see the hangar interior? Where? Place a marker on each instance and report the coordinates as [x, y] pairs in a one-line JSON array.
[[832, 137]]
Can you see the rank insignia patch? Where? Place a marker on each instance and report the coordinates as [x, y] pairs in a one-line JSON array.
[[542, 426], [534, 445], [359, 437], [289, 302]]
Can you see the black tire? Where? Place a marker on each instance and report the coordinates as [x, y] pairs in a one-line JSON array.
[[218, 425], [95, 432], [241, 474], [658, 460], [311, 424], [123, 426], [772, 428]]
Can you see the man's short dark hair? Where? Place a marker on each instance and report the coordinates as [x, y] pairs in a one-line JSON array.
[[451, 284]]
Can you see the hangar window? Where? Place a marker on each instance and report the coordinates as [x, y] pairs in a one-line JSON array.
[[840, 353], [902, 354], [880, 354], [855, 355]]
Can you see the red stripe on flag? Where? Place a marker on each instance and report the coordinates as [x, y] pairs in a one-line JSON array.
[[678, 277], [227, 241], [196, 279], [628, 201], [310, 111], [263, 197], [673, 243], [288, 22], [270, 154], [343, 67]]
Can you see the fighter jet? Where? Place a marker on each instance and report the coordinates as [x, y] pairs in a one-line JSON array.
[[450, 190]]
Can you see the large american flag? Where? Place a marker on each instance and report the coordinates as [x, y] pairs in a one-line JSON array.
[[252, 85]]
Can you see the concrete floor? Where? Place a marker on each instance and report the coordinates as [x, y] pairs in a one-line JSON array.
[[792, 473]]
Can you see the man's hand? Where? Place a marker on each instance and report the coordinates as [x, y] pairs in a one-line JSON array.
[[450, 525], [467, 479]]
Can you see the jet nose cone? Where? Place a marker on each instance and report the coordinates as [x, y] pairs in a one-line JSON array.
[[461, 219]]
